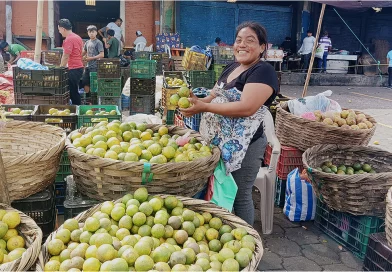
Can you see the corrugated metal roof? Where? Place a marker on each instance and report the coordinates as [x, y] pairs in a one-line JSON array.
[[357, 4]]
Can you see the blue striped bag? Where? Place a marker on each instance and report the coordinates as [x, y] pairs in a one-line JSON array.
[[300, 202]]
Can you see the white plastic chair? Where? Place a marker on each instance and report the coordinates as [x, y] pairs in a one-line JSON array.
[[148, 48], [140, 46], [168, 51], [266, 178]]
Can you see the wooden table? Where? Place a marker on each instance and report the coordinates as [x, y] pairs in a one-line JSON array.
[[177, 51]]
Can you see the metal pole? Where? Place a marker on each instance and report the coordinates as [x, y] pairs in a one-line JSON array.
[[8, 21], [313, 51]]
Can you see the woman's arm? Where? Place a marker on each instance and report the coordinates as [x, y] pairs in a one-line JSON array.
[[253, 97]]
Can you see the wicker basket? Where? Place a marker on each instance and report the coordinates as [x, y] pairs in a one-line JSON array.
[[302, 133], [194, 204], [32, 234], [107, 179], [388, 217], [31, 154], [362, 194]]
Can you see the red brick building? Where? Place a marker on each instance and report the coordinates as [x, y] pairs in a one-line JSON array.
[[137, 15]]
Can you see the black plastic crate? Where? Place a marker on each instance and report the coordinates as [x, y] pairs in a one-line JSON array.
[[144, 55], [42, 99], [223, 54], [378, 255], [201, 78], [40, 82], [9, 108], [109, 87], [164, 65], [77, 205], [143, 86], [142, 104], [102, 100], [89, 98], [158, 56], [68, 122], [51, 58], [41, 208], [60, 189], [108, 68]]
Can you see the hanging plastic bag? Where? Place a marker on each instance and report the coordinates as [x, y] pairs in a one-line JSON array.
[[300, 202], [320, 51], [225, 188], [320, 102]]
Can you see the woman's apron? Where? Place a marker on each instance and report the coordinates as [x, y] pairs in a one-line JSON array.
[[231, 135]]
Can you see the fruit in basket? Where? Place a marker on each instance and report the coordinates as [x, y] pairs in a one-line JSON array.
[[120, 142], [346, 119], [157, 246], [174, 82], [356, 168]]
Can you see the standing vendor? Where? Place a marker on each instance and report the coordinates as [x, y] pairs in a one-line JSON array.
[[326, 41], [13, 49], [234, 112]]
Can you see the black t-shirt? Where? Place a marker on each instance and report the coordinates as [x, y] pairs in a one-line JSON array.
[[261, 72]]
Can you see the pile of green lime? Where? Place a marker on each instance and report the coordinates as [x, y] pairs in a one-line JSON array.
[[180, 99], [148, 233], [356, 168], [136, 143]]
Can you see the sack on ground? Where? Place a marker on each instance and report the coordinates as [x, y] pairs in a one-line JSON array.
[[300, 202], [225, 188]]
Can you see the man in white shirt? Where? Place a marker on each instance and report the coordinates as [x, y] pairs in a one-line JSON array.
[[306, 49], [139, 38], [116, 26]]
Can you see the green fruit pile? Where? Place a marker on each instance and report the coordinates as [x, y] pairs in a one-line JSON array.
[[145, 233], [175, 82], [356, 168], [17, 111], [56, 112], [136, 143], [180, 99], [12, 245], [90, 112]]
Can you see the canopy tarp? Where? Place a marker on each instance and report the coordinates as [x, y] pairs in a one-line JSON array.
[[357, 4]]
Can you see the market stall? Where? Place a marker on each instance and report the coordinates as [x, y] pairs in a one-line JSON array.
[[339, 64]]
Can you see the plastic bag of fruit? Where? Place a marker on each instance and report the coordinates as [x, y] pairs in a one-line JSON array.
[[319, 102]]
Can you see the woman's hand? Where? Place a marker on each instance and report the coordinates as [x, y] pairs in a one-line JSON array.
[[197, 106]]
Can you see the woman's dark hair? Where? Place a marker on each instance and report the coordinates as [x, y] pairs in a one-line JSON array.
[[119, 19], [65, 23], [260, 31], [218, 40]]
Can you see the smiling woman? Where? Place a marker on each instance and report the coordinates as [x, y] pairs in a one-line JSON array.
[[234, 112]]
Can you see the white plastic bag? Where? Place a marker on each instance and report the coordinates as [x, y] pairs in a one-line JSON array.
[[127, 88], [143, 118], [320, 51], [320, 102]]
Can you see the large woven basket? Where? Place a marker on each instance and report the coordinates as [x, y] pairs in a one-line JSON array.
[[32, 234], [31, 154], [193, 204], [302, 133], [362, 194], [388, 217], [107, 179]]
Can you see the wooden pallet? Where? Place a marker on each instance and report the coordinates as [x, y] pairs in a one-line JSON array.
[[177, 63]]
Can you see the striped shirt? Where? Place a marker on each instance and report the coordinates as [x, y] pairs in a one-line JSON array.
[[326, 42]]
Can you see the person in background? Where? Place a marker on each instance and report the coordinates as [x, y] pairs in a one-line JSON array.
[[139, 38], [103, 34], [233, 113], [116, 26], [112, 44], [92, 51], [13, 49], [286, 45], [2, 69], [389, 60], [217, 42], [326, 41], [72, 57], [306, 49]]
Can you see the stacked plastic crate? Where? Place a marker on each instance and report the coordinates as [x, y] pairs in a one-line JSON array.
[[109, 82], [290, 158], [36, 87], [222, 56], [142, 86]]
